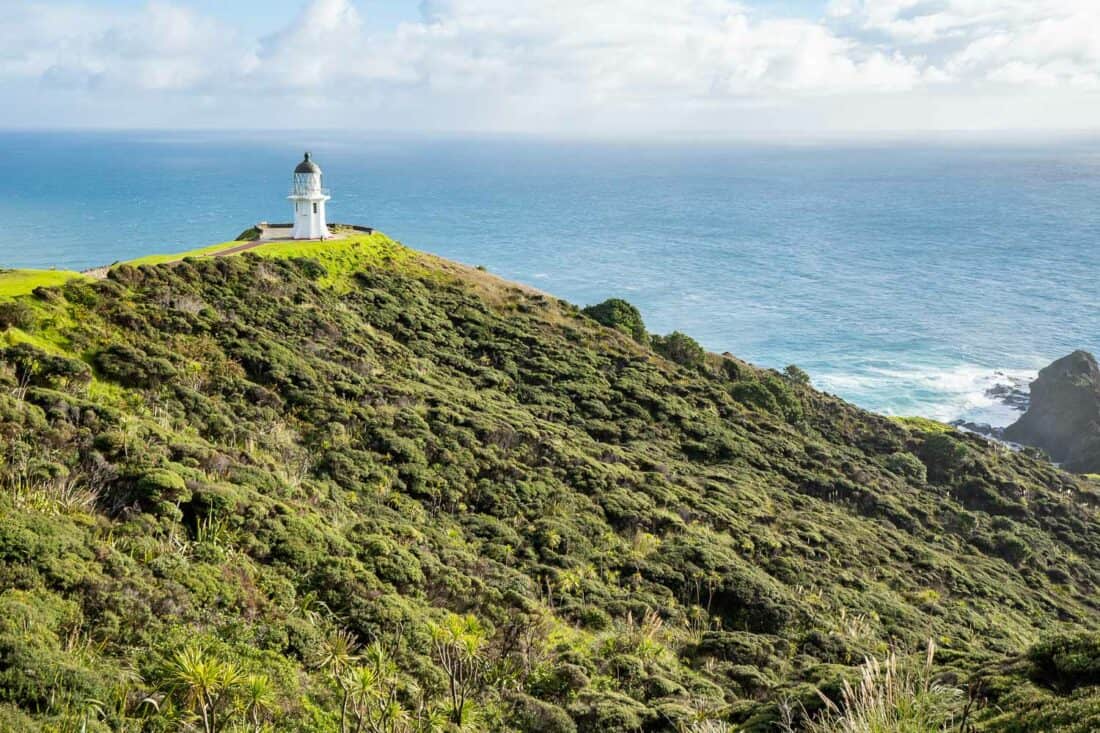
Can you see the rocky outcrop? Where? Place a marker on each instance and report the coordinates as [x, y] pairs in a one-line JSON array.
[[1063, 417], [1010, 391]]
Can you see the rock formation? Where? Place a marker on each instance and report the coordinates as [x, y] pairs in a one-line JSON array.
[[1063, 417]]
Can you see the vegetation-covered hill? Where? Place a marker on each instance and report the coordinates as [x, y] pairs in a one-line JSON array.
[[349, 487]]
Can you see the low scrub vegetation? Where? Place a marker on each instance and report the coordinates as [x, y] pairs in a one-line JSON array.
[[353, 488]]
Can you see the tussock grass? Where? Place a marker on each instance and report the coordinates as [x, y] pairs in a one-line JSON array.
[[891, 697]]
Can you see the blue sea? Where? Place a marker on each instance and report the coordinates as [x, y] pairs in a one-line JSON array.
[[905, 276]]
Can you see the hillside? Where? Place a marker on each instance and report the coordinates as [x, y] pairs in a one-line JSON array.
[[349, 486]]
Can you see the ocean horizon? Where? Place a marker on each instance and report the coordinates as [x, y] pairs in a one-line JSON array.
[[905, 276]]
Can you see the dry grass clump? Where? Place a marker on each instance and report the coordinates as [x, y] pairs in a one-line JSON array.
[[889, 697]]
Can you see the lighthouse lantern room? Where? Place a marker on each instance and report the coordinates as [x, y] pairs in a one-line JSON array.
[[309, 201]]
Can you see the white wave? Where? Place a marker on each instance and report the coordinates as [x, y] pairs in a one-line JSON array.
[[943, 393]]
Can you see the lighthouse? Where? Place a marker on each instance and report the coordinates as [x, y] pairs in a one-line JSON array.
[[309, 201]]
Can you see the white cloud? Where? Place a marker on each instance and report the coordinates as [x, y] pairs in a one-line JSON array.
[[1026, 43], [318, 49], [163, 46], [539, 65], [632, 49]]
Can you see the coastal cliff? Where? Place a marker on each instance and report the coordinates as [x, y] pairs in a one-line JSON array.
[[350, 486], [1063, 416]]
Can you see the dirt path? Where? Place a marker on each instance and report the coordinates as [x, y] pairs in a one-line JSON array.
[[239, 248]]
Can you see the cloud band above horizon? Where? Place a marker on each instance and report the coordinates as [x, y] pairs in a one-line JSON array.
[[571, 66]]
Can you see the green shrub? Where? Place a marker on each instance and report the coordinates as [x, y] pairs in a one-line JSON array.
[[133, 367], [770, 394], [755, 394], [620, 315], [680, 348], [944, 456], [787, 401], [796, 375], [536, 716], [907, 465], [1011, 547], [15, 313], [594, 618], [36, 367], [730, 369], [1067, 661], [162, 491], [559, 681], [598, 712], [33, 664], [737, 646]]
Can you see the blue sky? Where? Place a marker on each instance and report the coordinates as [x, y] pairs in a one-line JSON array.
[[562, 67], [268, 16]]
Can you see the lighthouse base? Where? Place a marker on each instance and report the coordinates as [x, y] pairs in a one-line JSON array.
[[285, 232], [306, 231]]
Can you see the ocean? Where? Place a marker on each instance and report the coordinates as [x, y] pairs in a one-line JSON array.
[[907, 277]]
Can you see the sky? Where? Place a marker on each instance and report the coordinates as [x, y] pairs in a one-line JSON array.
[[602, 68]]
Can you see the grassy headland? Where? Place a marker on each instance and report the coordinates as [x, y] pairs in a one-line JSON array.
[[347, 486], [14, 283]]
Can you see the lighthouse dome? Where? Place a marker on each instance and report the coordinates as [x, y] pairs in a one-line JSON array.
[[307, 166]]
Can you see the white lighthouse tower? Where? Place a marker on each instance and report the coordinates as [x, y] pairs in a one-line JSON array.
[[309, 201]]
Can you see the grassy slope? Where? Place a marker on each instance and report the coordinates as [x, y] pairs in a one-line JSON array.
[[14, 283], [159, 259], [270, 448]]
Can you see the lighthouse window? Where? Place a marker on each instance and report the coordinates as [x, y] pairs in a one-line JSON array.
[[315, 208]]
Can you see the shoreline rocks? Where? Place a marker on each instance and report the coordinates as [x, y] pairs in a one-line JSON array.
[[981, 428], [1012, 392]]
